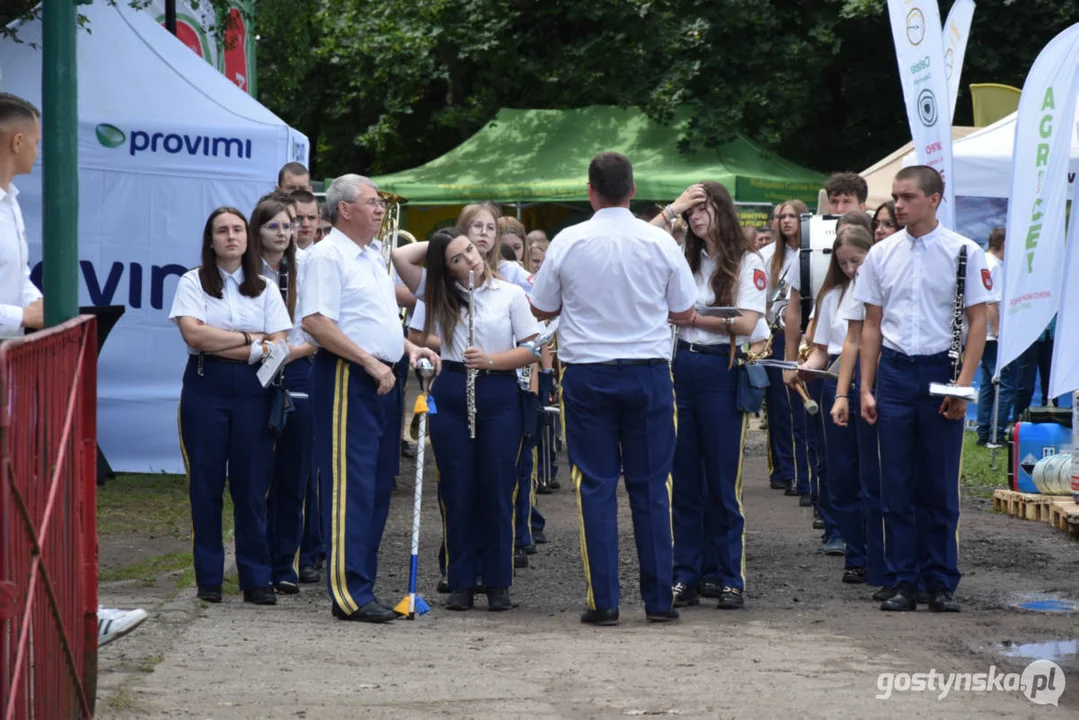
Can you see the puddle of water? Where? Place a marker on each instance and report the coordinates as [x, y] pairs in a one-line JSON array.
[[1055, 650], [1035, 602]]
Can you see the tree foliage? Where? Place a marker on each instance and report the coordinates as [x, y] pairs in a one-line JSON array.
[[383, 85]]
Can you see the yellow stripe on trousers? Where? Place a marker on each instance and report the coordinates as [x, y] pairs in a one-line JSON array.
[[738, 485], [576, 476], [338, 579]]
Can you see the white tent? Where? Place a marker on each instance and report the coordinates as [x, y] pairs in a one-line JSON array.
[[984, 159], [163, 139], [879, 175]]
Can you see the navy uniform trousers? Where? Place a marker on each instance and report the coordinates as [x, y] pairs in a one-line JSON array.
[[706, 504], [817, 455], [877, 569], [285, 504], [620, 420], [787, 449], [225, 429], [477, 477], [843, 486], [528, 518], [355, 453], [920, 456]]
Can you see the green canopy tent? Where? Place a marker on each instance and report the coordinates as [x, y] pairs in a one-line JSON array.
[[542, 156]]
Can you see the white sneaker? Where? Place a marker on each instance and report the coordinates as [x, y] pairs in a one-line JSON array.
[[112, 624]]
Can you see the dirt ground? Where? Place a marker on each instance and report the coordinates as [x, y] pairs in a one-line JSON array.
[[805, 646]]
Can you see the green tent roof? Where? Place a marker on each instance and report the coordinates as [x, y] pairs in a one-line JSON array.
[[542, 156]]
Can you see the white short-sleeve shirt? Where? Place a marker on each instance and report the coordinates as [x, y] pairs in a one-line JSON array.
[[831, 325], [850, 309], [232, 311], [503, 319], [615, 279], [789, 256], [513, 273], [296, 335], [16, 290], [750, 296], [996, 273], [350, 285], [913, 281]]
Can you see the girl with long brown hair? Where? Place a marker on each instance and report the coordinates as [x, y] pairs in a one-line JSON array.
[[229, 317], [706, 505], [477, 476], [843, 486], [787, 449], [272, 231]]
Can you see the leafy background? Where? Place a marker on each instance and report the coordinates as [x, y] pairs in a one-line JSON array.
[[384, 85]]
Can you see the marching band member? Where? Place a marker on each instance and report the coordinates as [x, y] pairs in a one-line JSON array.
[[272, 232], [511, 234], [479, 222], [534, 254], [228, 316], [786, 415], [350, 311], [707, 495], [617, 389], [843, 487], [913, 274], [477, 475]]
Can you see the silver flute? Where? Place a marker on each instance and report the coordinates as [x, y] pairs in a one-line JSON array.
[[470, 377]]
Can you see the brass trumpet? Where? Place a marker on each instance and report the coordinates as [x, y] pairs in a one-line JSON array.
[[810, 404], [391, 225]]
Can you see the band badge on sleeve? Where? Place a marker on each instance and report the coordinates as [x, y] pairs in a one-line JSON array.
[[987, 279], [760, 280]]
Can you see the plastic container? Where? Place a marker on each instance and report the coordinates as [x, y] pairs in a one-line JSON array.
[[1053, 475], [1029, 443]]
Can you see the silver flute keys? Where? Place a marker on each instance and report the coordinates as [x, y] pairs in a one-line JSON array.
[[955, 352], [470, 377]]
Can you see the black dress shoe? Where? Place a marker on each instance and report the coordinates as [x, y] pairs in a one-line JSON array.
[[443, 586], [779, 484], [600, 617], [804, 500], [498, 599], [789, 491], [543, 489], [520, 558], [884, 593], [319, 563], [943, 601], [459, 600], [554, 484], [854, 576], [711, 588], [903, 600], [531, 549], [730, 599], [261, 596], [538, 537], [286, 587], [662, 616], [684, 595], [372, 612], [818, 523], [309, 574], [210, 593]]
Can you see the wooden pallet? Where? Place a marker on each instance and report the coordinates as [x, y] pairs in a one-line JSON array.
[[1027, 506], [1064, 515], [1060, 512]]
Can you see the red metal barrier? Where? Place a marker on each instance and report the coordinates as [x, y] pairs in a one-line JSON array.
[[48, 523]]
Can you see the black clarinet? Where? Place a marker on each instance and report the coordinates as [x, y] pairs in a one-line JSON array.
[[955, 353]]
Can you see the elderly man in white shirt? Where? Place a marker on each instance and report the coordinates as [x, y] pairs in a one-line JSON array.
[[21, 305], [350, 312]]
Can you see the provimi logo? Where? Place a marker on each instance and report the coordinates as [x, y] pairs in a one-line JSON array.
[[142, 141]]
